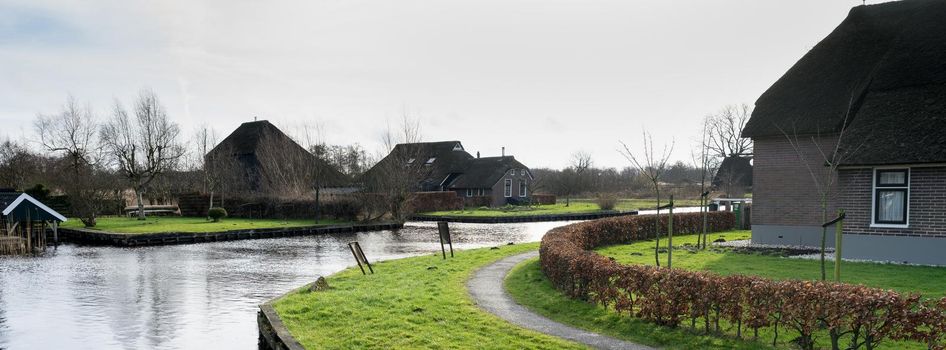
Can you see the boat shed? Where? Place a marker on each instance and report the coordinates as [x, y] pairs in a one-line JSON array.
[[24, 223]]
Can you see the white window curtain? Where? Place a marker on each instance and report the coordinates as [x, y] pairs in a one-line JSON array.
[[891, 207]]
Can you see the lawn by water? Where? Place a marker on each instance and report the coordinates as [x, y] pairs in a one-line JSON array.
[[161, 224], [411, 303], [576, 206]]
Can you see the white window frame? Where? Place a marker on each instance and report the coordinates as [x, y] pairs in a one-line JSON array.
[[431, 160], [523, 189], [873, 198], [522, 172], [480, 191], [507, 188], [469, 192]]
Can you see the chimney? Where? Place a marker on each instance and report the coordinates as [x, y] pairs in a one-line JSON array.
[[477, 154], [504, 151]]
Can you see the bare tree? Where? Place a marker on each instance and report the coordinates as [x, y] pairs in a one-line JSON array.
[[217, 170], [573, 179], [725, 131], [19, 166], [72, 133], [652, 166], [822, 155], [396, 177], [143, 147]]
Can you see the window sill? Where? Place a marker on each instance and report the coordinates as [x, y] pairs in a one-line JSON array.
[[889, 226]]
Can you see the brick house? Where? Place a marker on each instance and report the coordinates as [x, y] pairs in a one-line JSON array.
[[447, 166], [872, 94]]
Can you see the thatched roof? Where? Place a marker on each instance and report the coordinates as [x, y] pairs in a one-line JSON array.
[[246, 144], [485, 172], [734, 171], [883, 70], [451, 165]]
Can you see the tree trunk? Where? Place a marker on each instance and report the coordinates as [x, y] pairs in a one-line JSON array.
[[657, 227], [318, 205], [211, 204], [141, 204], [824, 233]]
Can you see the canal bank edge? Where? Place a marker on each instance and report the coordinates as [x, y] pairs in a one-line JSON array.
[[273, 334], [167, 238], [523, 218]]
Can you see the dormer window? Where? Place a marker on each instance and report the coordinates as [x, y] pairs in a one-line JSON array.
[[522, 172], [431, 160], [410, 161], [458, 147]]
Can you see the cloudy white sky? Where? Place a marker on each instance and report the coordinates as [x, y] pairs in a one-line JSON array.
[[542, 78]]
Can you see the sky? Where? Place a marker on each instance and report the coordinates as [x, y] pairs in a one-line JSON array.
[[542, 78]]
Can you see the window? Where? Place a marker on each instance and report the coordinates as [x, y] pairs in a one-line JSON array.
[[507, 188], [522, 188], [431, 160], [522, 172], [512, 171], [469, 192], [480, 191], [891, 197], [410, 161]]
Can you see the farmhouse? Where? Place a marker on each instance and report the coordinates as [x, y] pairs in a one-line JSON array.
[[447, 166], [872, 97], [264, 160]]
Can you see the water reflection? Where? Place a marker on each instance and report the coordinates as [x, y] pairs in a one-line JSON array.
[[191, 296]]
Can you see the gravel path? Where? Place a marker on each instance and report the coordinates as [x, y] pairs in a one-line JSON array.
[[486, 288]]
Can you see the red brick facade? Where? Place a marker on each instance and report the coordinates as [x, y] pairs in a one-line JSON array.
[[784, 191], [926, 210]]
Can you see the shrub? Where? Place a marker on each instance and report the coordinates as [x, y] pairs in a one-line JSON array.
[[346, 209], [606, 201], [859, 316], [216, 213]]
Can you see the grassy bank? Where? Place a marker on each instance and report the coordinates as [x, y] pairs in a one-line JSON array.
[[409, 303], [532, 289], [188, 224], [577, 206]]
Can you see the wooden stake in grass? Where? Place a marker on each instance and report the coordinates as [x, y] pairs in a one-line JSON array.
[[838, 229]]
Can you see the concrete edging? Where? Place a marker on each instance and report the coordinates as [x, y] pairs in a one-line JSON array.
[[524, 218], [151, 239]]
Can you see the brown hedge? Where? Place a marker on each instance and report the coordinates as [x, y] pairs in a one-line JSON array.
[[854, 316]]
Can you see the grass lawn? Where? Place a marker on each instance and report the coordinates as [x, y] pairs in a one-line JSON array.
[[418, 302], [928, 281], [187, 224], [531, 288], [629, 204], [577, 206]]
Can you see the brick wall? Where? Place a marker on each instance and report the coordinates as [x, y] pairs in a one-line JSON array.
[[927, 203], [784, 192]]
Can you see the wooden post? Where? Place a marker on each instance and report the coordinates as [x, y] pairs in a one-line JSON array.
[[440, 228], [837, 246], [670, 235], [56, 233]]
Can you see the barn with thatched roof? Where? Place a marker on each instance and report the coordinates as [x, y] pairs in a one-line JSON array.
[[264, 160], [447, 166], [859, 121]]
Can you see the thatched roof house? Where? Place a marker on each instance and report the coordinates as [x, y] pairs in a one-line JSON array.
[[447, 166], [267, 161], [872, 95]]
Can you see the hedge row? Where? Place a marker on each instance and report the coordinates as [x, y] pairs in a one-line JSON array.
[[854, 316]]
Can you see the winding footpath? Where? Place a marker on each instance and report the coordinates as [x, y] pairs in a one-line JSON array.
[[487, 290]]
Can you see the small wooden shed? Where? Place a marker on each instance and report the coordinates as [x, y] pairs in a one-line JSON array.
[[24, 223]]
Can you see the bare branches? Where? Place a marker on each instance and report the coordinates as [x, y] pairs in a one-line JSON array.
[[73, 132], [145, 147], [653, 167], [725, 131]]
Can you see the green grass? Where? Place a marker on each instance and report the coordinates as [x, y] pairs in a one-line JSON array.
[[418, 302], [187, 224], [532, 289], [629, 204], [926, 280], [576, 206]]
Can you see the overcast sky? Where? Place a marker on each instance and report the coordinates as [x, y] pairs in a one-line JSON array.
[[542, 78]]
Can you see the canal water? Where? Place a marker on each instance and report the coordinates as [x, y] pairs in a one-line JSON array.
[[200, 296]]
